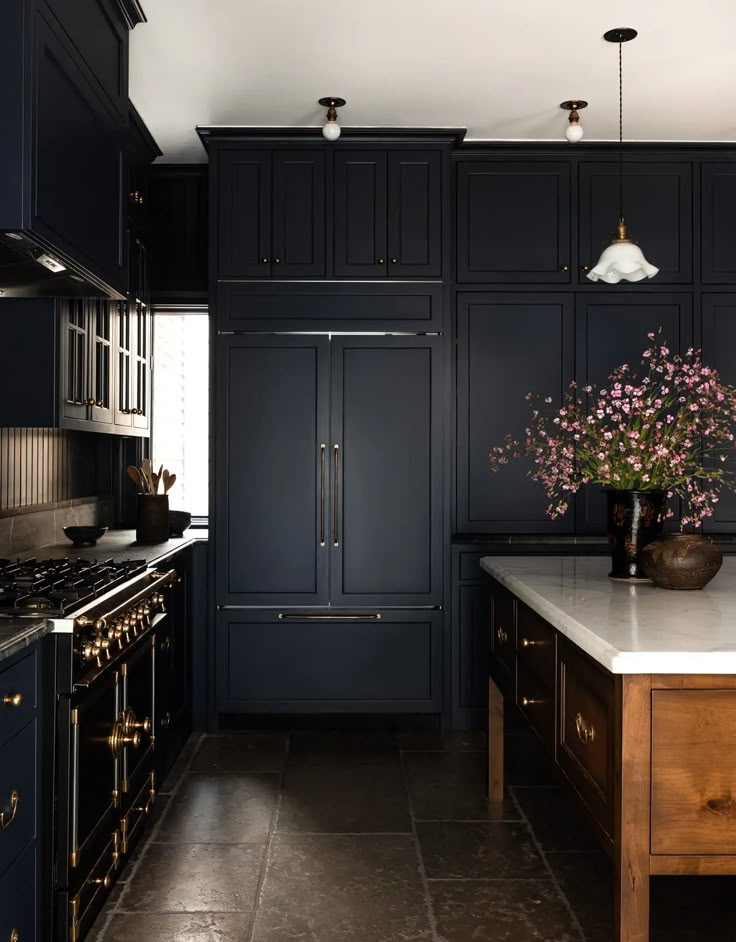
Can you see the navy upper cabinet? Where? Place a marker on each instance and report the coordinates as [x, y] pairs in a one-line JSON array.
[[388, 213], [718, 209], [513, 221], [658, 211], [271, 213], [508, 345]]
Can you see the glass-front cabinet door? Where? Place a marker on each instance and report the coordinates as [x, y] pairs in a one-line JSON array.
[[141, 359], [123, 329], [75, 359], [101, 322]]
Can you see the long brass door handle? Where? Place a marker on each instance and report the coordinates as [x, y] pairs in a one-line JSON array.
[[322, 465], [5, 819], [335, 500]]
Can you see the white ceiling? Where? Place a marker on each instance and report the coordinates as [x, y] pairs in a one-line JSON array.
[[498, 68]]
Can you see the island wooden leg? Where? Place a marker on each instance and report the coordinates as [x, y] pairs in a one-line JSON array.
[[495, 742], [632, 809]]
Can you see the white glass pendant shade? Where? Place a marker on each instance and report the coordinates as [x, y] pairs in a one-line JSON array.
[[622, 260], [331, 131], [574, 133]]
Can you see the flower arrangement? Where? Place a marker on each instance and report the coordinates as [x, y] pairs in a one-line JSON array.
[[669, 430]]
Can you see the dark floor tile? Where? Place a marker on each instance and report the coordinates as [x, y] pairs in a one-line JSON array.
[[471, 740], [342, 796], [342, 888], [179, 767], [228, 809], [587, 882], [179, 927], [348, 746], [501, 911], [452, 786], [525, 762], [190, 878], [241, 752], [555, 820], [481, 850]]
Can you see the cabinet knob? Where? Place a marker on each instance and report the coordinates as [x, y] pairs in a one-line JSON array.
[[527, 701], [7, 819], [394, 261], [13, 700], [125, 411], [14, 937], [89, 402], [277, 261], [380, 261], [585, 268], [264, 261], [565, 268]]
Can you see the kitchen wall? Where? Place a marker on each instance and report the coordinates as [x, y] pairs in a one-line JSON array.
[[50, 478]]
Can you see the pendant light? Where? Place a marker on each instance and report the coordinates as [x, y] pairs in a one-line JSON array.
[[331, 129], [622, 259], [574, 131]]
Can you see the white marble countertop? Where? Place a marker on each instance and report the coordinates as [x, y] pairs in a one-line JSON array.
[[629, 629]]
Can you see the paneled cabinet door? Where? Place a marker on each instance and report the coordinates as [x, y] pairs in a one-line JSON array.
[[658, 211], [360, 213], [718, 211], [75, 351], [273, 468], [508, 345], [414, 214], [513, 221], [386, 471], [719, 351], [611, 329], [243, 213], [298, 214]]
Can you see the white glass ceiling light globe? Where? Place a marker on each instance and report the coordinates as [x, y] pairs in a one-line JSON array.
[[622, 260], [574, 132], [331, 131]]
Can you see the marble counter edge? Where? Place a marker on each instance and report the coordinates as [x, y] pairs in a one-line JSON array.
[[16, 637], [603, 652]]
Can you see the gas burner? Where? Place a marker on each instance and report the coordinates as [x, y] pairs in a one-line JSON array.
[[34, 603]]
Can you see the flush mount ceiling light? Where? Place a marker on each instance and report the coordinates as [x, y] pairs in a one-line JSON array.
[[331, 129], [574, 131], [622, 259]]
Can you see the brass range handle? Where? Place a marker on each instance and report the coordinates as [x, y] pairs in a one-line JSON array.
[[322, 478], [529, 701], [13, 700], [585, 731], [335, 496], [309, 616], [7, 819]]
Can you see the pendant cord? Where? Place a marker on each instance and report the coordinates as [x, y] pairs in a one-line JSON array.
[[620, 132]]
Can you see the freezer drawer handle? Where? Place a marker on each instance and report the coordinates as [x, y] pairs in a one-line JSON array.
[[6, 821], [335, 501], [372, 616], [322, 462]]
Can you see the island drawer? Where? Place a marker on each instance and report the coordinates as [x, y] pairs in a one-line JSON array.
[[585, 742], [17, 695], [694, 772], [503, 626], [537, 702], [18, 900], [536, 644], [17, 795]]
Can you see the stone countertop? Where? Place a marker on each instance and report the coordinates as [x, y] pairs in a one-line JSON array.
[[119, 544], [19, 633], [628, 628]]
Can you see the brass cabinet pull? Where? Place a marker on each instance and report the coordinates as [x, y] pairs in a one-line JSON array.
[[14, 937], [6, 821], [565, 268], [322, 465], [585, 268], [166, 720], [586, 733], [502, 635], [165, 644], [13, 700], [277, 261], [380, 261], [527, 701], [394, 261], [368, 616], [105, 881], [531, 643], [335, 501], [264, 261]]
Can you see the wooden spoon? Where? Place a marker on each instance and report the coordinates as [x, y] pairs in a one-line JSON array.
[[135, 476], [146, 469], [169, 481]]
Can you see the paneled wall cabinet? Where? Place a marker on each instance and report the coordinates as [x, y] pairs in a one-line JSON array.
[[64, 71]]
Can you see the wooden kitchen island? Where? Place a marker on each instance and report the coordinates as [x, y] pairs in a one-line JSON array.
[[632, 692]]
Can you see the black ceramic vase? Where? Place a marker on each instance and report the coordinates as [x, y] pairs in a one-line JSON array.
[[153, 519], [634, 519]]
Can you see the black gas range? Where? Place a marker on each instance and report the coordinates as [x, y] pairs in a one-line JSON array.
[[57, 587]]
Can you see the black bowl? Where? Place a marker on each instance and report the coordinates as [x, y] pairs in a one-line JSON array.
[[84, 536], [179, 520]]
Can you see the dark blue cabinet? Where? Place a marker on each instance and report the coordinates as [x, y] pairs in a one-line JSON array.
[[719, 348], [513, 221], [330, 456], [718, 210], [270, 213]]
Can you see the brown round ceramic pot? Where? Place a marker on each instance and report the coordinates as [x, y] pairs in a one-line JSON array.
[[681, 561]]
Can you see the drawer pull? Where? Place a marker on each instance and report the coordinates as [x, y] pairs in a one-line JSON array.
[[529, 643], [502, 635], [586, 734], [526, 701], [13, 700], [6, 821], [14, 937]]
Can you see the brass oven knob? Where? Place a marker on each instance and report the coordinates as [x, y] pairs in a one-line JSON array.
[[90, 650], [13, 700], [117, 630], [166, 720], [105, 881], [131, 723]]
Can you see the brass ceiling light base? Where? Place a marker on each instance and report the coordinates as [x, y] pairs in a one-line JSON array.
[[575, 104], [623, 34], [332, 102], [622, 234]]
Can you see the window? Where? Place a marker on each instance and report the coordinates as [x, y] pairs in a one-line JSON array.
[[181, 407]]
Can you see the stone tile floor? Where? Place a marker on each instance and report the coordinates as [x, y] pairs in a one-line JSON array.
[[362, 837]]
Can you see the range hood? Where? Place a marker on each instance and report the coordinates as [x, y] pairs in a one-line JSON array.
[[29, 270]]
